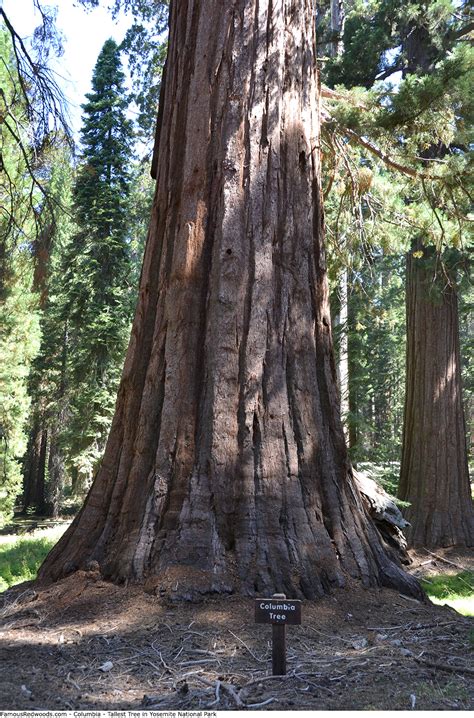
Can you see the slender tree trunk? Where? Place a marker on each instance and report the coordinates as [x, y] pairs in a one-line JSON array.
[[55, 485], [28, 473], [74, 481], [337, 27], [226, 467], [330, 17], [352, 389], [42, 255], [40, 485], [343, 356], [56, 469], [34, 474], [35, 468], [434, 471]]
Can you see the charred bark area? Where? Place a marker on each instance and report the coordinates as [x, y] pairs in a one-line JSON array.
[[226, 467], [434, 470]]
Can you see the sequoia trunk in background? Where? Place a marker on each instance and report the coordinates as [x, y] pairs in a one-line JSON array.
[[226, 467], [434, 471]]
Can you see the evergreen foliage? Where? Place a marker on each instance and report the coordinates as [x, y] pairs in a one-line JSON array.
[[42, 123], [145, 45], [85, 279], [419, 121], [366, 231], [19, 329], [47, 382], [376, 360], [19, 342], [403, 138], [99, 295]]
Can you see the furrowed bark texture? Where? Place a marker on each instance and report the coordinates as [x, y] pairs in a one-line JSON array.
[[434, 470], [226, 467]]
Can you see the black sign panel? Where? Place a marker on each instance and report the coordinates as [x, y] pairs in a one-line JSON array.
[[280, 611]]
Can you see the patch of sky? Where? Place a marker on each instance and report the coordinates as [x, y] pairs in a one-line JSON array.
[[83, 34]]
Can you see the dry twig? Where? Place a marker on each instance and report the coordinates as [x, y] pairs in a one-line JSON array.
[[445, 667], [259, 660]]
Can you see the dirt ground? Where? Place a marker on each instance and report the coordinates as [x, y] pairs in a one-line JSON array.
[[84, 644]]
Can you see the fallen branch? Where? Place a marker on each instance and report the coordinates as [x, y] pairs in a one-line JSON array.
[[73, 682], [263, 703], [217, 694], [409, 598], [389, 628], [451, 563], [232, 692], [445, 667], [225, 687], [256, 681], [332, 638]]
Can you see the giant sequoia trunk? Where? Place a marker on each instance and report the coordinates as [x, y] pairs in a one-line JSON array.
[[434, 471], [226, 467]]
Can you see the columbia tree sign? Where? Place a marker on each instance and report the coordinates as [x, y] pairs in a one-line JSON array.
[[279, 611]]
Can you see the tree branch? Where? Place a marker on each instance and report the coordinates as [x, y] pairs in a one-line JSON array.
[[389, 71], [42, 95], [465, 30], [386, 159], [329, 94]]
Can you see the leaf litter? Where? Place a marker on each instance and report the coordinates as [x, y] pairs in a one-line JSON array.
[[86, 644]]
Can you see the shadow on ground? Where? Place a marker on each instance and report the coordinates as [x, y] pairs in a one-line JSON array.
[[84, 644]]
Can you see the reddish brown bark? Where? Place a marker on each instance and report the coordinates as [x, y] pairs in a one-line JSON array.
[[226, 468], [434, 471]]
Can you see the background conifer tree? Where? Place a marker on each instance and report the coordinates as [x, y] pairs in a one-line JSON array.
[[19, 330], [97, 265], [43, 465]]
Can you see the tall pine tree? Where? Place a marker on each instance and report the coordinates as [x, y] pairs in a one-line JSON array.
[[97, 264]]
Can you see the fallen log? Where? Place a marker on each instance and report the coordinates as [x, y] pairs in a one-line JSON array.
[[385, 514]]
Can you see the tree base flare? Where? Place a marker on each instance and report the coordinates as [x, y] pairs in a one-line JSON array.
[[189, 583]]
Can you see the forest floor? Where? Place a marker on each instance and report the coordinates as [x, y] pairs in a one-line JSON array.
[[85, 644]]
